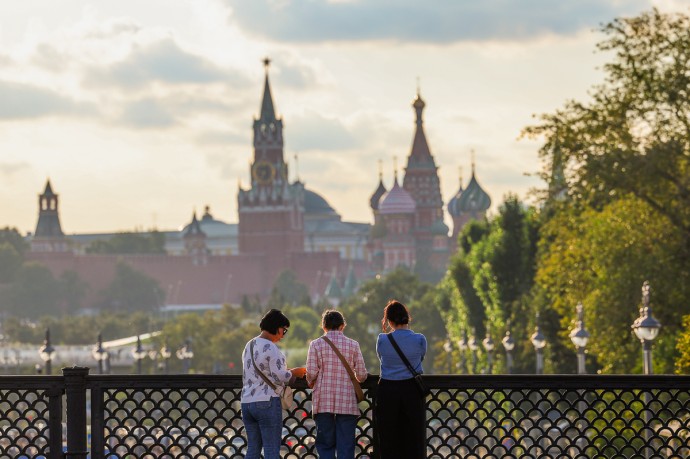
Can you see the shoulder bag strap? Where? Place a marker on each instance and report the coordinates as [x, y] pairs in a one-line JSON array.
[[400, 353], [342, 359], [259, 372]]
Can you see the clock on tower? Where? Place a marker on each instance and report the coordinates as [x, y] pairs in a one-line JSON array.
[[263, 172]]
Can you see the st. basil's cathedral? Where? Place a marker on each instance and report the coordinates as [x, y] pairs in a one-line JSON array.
[[283, 226]]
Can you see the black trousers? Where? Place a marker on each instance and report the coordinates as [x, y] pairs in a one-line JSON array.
[[400, 414]]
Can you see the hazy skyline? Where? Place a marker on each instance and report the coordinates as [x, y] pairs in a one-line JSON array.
[[141, 112]]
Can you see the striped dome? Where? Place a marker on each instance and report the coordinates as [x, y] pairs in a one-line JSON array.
[[397, 201], [474, 198]]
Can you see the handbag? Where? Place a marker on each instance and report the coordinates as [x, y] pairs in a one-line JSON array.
[[423, 389], [358, 388], [287, 400]]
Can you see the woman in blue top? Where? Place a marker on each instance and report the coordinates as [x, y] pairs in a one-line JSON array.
[[400, 409]]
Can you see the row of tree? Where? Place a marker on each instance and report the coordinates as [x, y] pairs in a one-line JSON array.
[[616, 213]]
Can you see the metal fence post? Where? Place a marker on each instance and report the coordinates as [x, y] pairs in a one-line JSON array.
[[75, 389]]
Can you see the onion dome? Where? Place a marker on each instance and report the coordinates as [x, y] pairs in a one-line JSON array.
[[439, 228], [376, 197], [474, 198], [397, 201], [453, 208]]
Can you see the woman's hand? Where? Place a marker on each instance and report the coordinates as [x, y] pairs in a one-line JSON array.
[[298, 372]]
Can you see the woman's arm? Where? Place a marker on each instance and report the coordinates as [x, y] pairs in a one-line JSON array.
[[360, 367], [313, 366]]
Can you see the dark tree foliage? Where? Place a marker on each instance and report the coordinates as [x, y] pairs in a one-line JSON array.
[[287, 290], [153, 242], [131, 290]]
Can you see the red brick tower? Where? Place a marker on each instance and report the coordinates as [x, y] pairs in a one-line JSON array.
[[48, 236], [422, 182], [270, 210]]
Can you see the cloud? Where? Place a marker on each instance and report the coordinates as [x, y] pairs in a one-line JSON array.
[[441, 21], [9, 169], [20, 101], [147, 113], [164, 62], [315, 132]]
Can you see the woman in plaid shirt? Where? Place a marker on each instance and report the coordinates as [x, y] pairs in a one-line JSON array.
[[334, 403]]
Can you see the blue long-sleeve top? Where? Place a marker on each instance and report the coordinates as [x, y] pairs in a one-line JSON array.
[[412, 344]]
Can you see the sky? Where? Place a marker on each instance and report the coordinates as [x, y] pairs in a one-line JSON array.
[[140, 113]]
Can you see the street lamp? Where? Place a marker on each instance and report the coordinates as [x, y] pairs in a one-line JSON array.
[[448, 349], [489, 347], [139, 353], [473, 346], [646, 328], [509, 345], [538, 341], [99, 353], [165, 355], [185, 354], [579, 336], [462, 345], [47, 352]]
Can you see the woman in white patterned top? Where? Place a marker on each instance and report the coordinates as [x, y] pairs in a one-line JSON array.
[[261, 410]]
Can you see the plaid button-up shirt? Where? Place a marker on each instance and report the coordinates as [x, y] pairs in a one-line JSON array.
[[333, 389]]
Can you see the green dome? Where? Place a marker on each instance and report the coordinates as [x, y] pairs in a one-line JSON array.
[[473, 198], [439, 228]]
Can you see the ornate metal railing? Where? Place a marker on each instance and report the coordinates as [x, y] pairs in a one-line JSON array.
[[198, 416]]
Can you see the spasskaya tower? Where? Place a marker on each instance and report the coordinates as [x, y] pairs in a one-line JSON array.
[[271, 210]]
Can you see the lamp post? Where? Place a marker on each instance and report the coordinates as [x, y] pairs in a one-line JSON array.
[[508, 345], [185, 354], [99, 353], [489, 347], [579, 336], [47, 352], [139, 353], [538, 341], [448, 349], [646, 328], [473, 346], [462, 345], [165, 355]]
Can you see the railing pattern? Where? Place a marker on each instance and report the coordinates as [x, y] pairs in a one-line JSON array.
[[199, 416], [30, 416]]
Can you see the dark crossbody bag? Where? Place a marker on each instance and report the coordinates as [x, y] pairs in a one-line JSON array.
[[423, 389]]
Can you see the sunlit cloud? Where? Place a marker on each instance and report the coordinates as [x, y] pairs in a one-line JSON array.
[[440, 21], [21, 101]]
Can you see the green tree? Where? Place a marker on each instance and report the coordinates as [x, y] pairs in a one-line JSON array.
[[10, 262], [131, 290], [364, 312], [633, 137], [683, 348], [152, 242], [34, 292], [601, 258], [287, 290], [494, 272]]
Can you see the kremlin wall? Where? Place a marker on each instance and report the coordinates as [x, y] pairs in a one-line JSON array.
[[282, 226]]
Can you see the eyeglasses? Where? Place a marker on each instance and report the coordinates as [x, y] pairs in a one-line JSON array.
[[285, 330]]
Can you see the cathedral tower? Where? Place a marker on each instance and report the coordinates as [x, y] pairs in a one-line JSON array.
[[422, 183]]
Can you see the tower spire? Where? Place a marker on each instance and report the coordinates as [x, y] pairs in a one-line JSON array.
[[267, 110]]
